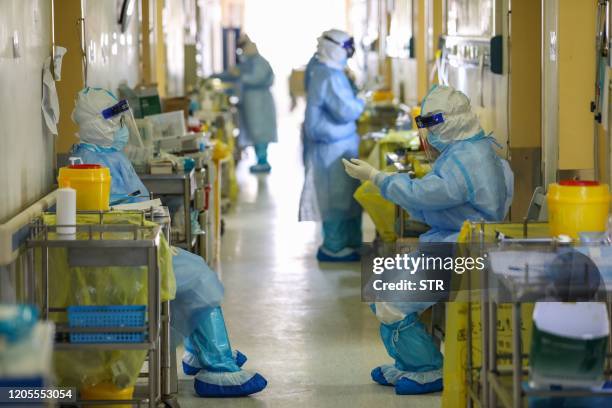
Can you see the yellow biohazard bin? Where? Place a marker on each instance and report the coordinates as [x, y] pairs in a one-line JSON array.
[[576, 206], [92, 183]]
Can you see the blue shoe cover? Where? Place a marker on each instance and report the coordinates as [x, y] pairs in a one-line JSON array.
[[260, 168], [208, 384], [191, 365], [239, 358], [406, 386], [388, 374], [342, 256], [189, 369], [378, 377]]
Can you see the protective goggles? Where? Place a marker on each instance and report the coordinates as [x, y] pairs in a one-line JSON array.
[[427, 121], [348, 45], [117, 109]]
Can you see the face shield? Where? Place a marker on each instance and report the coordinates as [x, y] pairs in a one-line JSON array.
[[120, 116], [348, 45], [424, 122]]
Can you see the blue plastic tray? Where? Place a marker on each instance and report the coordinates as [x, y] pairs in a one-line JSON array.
[[107, 316]]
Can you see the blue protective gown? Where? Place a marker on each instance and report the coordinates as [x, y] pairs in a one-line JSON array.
[[196, 311], [197, 286], [312, 63], [467, 182], [257, 110], [329, 136]]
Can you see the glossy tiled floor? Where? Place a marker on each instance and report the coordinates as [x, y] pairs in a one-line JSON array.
[[301, 324]]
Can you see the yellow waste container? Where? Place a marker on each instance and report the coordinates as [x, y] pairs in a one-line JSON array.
[[576, 206], [107, 391], [416, 111], [92, 183], [382, 95]]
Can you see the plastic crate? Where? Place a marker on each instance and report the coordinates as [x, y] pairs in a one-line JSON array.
[[107, 316]]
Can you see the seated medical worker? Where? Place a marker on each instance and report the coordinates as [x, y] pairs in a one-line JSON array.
[[196, 313], [468, 181], [330, 135]]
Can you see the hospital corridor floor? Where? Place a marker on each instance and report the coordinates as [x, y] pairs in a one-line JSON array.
[[301, 323]]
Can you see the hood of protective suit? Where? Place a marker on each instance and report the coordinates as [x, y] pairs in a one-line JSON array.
[[460, 122], [248, 47], [330, 53], [87, 114]]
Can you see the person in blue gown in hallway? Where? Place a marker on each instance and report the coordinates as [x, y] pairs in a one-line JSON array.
[[468, 181], [330, 134], [196, 310]]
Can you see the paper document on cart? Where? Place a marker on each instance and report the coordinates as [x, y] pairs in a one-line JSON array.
[[142, 205]]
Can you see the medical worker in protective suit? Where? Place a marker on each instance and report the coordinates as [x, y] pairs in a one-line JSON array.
[[104, 124], [468, 181], [329, 136], [255, 77]]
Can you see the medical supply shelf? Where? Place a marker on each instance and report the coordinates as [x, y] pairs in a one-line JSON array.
[[206, 179], [103, 245], [507, 385]]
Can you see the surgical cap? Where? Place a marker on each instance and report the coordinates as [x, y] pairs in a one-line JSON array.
[[87, 114], [330, 53], [460, 122]]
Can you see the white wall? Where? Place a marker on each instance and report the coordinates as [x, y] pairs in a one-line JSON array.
[[174, 35], [210, 38], [112, 56], [26, 151]]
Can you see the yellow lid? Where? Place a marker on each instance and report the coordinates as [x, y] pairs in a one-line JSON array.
[[98, 173]]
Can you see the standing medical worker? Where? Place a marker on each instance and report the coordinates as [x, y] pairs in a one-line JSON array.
[[468, 181], [255, 77], [330, 135], [104, 124]]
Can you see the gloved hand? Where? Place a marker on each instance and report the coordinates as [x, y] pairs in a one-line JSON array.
[[359, 169]]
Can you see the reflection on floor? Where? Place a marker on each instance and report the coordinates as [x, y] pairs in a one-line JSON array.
[[300, 323]]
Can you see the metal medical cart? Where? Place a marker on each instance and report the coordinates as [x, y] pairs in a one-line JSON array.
[[104, 245], [177, 184], [503, 386]]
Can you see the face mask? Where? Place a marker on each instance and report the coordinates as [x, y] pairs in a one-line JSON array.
[[435, 141], [120, 140]]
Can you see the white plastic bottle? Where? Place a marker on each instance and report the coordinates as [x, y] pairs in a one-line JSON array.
[[66, 210]]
